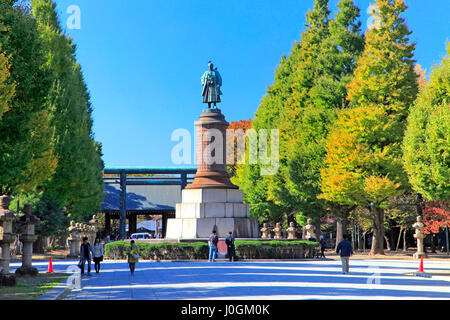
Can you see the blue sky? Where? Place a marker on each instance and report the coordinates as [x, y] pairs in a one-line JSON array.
[[142, 62]]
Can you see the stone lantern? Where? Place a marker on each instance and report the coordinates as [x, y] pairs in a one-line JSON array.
[[277, 231], [74, 239], [93, 222], [27, 236], [7, 218], [266, 231], [310, 230], [291, 231], [419, 235]]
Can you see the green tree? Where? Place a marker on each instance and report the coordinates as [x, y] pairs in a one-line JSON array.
[[248, 176], [426, 144], [26, 155], [268, 116], [7, 89], [403, 210], [330, 50], [77, 183], [363, 162]]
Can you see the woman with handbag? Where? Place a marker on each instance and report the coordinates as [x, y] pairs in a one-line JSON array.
[[98, 254], [133, 256]]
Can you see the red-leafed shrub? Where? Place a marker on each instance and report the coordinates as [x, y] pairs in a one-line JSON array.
[[436, 215]]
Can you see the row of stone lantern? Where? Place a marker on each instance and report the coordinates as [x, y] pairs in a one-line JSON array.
[[77, 231], [26, 224], [268, 232]]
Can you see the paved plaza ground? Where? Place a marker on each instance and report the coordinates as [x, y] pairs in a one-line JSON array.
[[259, 280]]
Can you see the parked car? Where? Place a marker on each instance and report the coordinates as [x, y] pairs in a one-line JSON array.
[[143, 235]]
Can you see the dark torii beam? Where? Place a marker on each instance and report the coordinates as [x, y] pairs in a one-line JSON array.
[[124, 181]]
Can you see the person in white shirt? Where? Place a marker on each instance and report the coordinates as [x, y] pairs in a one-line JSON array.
[[98, 254]]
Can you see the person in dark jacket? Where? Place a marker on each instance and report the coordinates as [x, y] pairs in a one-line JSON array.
[[230, 246], [345, 249], [323, 245], [213, 240], [86, 254]]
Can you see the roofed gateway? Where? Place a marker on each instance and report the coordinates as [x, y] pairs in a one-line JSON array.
[[130, 192]]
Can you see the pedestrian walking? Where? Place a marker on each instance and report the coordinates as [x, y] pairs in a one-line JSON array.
[[133, 256], [323, 245], [98, 254], [213, 240], [86, 254], [345, 249], [230, 246]]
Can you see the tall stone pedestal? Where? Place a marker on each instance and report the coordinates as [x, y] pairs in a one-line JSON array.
[[203, 210], [211, 202]]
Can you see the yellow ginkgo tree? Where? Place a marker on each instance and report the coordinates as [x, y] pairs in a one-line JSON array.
[[359, 169], [363, 165]]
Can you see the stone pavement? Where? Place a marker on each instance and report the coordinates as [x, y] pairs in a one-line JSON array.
[[258, 280]]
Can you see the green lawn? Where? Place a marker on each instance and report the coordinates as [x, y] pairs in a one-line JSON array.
[[31, 288]]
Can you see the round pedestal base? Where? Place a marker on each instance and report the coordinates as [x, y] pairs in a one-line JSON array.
[[419, 255], [27, 271]]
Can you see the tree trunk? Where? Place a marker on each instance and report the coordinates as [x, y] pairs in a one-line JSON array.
[[433, 246], [341, 228], [51, 242], [317, 231], [360, 240], [38, 245], [404, 241], [388, 244], [378, 231], [364, 241], [399, 238]]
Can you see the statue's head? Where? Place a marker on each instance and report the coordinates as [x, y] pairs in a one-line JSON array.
[[210, 65], [419, 218]]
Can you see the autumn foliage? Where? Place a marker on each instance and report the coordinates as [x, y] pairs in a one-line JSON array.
[[436, 215], [241, 124]]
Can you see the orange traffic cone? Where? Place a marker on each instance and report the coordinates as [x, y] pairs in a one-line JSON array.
[[50, 266], [420, 272], [421, 265]]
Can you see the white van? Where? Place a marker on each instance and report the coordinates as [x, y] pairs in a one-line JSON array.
[[144, 235]]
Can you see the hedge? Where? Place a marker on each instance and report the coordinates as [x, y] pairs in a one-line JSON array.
[[276, 249], [245, 249], [159, 251]]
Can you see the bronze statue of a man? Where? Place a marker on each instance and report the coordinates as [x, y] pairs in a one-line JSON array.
[[211, 82]]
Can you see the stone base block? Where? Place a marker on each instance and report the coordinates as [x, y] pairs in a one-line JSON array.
[[193, 210], [189, 228], [212, 195], [174, 228]]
